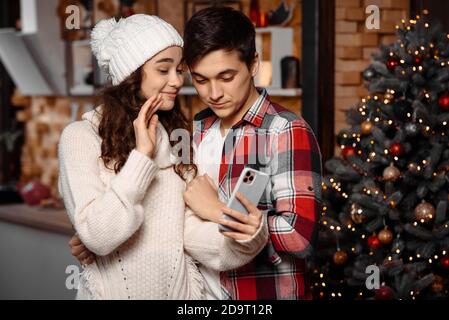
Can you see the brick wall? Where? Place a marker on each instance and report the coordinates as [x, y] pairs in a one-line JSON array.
[[354, 44]]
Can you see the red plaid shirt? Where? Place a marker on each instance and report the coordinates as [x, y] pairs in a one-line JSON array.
[[274, 140]]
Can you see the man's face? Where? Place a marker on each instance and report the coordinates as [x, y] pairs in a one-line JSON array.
[[223, 82]]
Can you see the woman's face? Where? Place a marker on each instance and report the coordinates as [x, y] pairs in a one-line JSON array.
[[163, 74]]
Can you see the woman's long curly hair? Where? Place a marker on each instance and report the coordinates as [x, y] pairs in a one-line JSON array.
[[120, 106]]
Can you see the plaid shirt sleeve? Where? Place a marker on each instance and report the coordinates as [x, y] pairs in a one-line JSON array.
[[296, 190]]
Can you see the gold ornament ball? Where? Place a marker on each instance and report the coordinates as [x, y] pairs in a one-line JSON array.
[[357, 213], [438, 284], [424, 212], [340, 257], [366, 127], [413, 167], [391, 173], [385, 236]]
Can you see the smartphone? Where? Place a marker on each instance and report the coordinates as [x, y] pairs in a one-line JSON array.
[[251, 184]]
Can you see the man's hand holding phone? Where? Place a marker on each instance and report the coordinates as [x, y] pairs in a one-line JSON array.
[[246, 225], [202, 197]]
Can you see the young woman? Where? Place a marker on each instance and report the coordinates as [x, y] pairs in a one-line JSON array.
[[123, 186]]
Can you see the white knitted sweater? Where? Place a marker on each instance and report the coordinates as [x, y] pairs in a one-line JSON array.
[[136, 223]]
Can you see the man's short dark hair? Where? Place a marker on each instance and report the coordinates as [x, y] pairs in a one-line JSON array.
[[219, 28]]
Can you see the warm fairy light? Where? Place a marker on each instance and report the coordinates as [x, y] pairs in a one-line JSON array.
[[430, 260], [411, 258], [424, 161], [402, 61], [414, 68], [444, 252], [398, 251], [386, 151], [416, 52], [408, 115], [363, 100], [427, 95], [442, 63], [353, 229], [386, 101], [402, 72], [321, 275], [435, 257], [332, 227], [363, 236], [390, 122], [444, 123], [420, 121], [396, 158], [390, 258], [323, 284], [426, 25], [420, 68], [391, 54], [338, 228], [376, 119], [422, 48], [418, 255]]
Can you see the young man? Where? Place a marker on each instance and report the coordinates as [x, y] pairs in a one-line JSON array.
[[220, 53]]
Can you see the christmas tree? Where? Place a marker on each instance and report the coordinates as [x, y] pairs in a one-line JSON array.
[[384, 230]]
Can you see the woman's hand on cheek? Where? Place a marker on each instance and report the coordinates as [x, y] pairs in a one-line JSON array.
[[145, 126], [202, 197]]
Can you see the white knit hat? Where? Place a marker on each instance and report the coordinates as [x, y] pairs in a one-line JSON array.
[[122, 47]]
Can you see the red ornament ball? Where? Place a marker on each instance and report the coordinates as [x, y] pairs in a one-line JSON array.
[[384, 293], [445, 262], [348, 151], [418, 60], [396, 149], [443, 101], [392, 64], [374, 242]]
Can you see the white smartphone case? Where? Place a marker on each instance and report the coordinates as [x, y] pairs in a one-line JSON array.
[[251, 184]]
